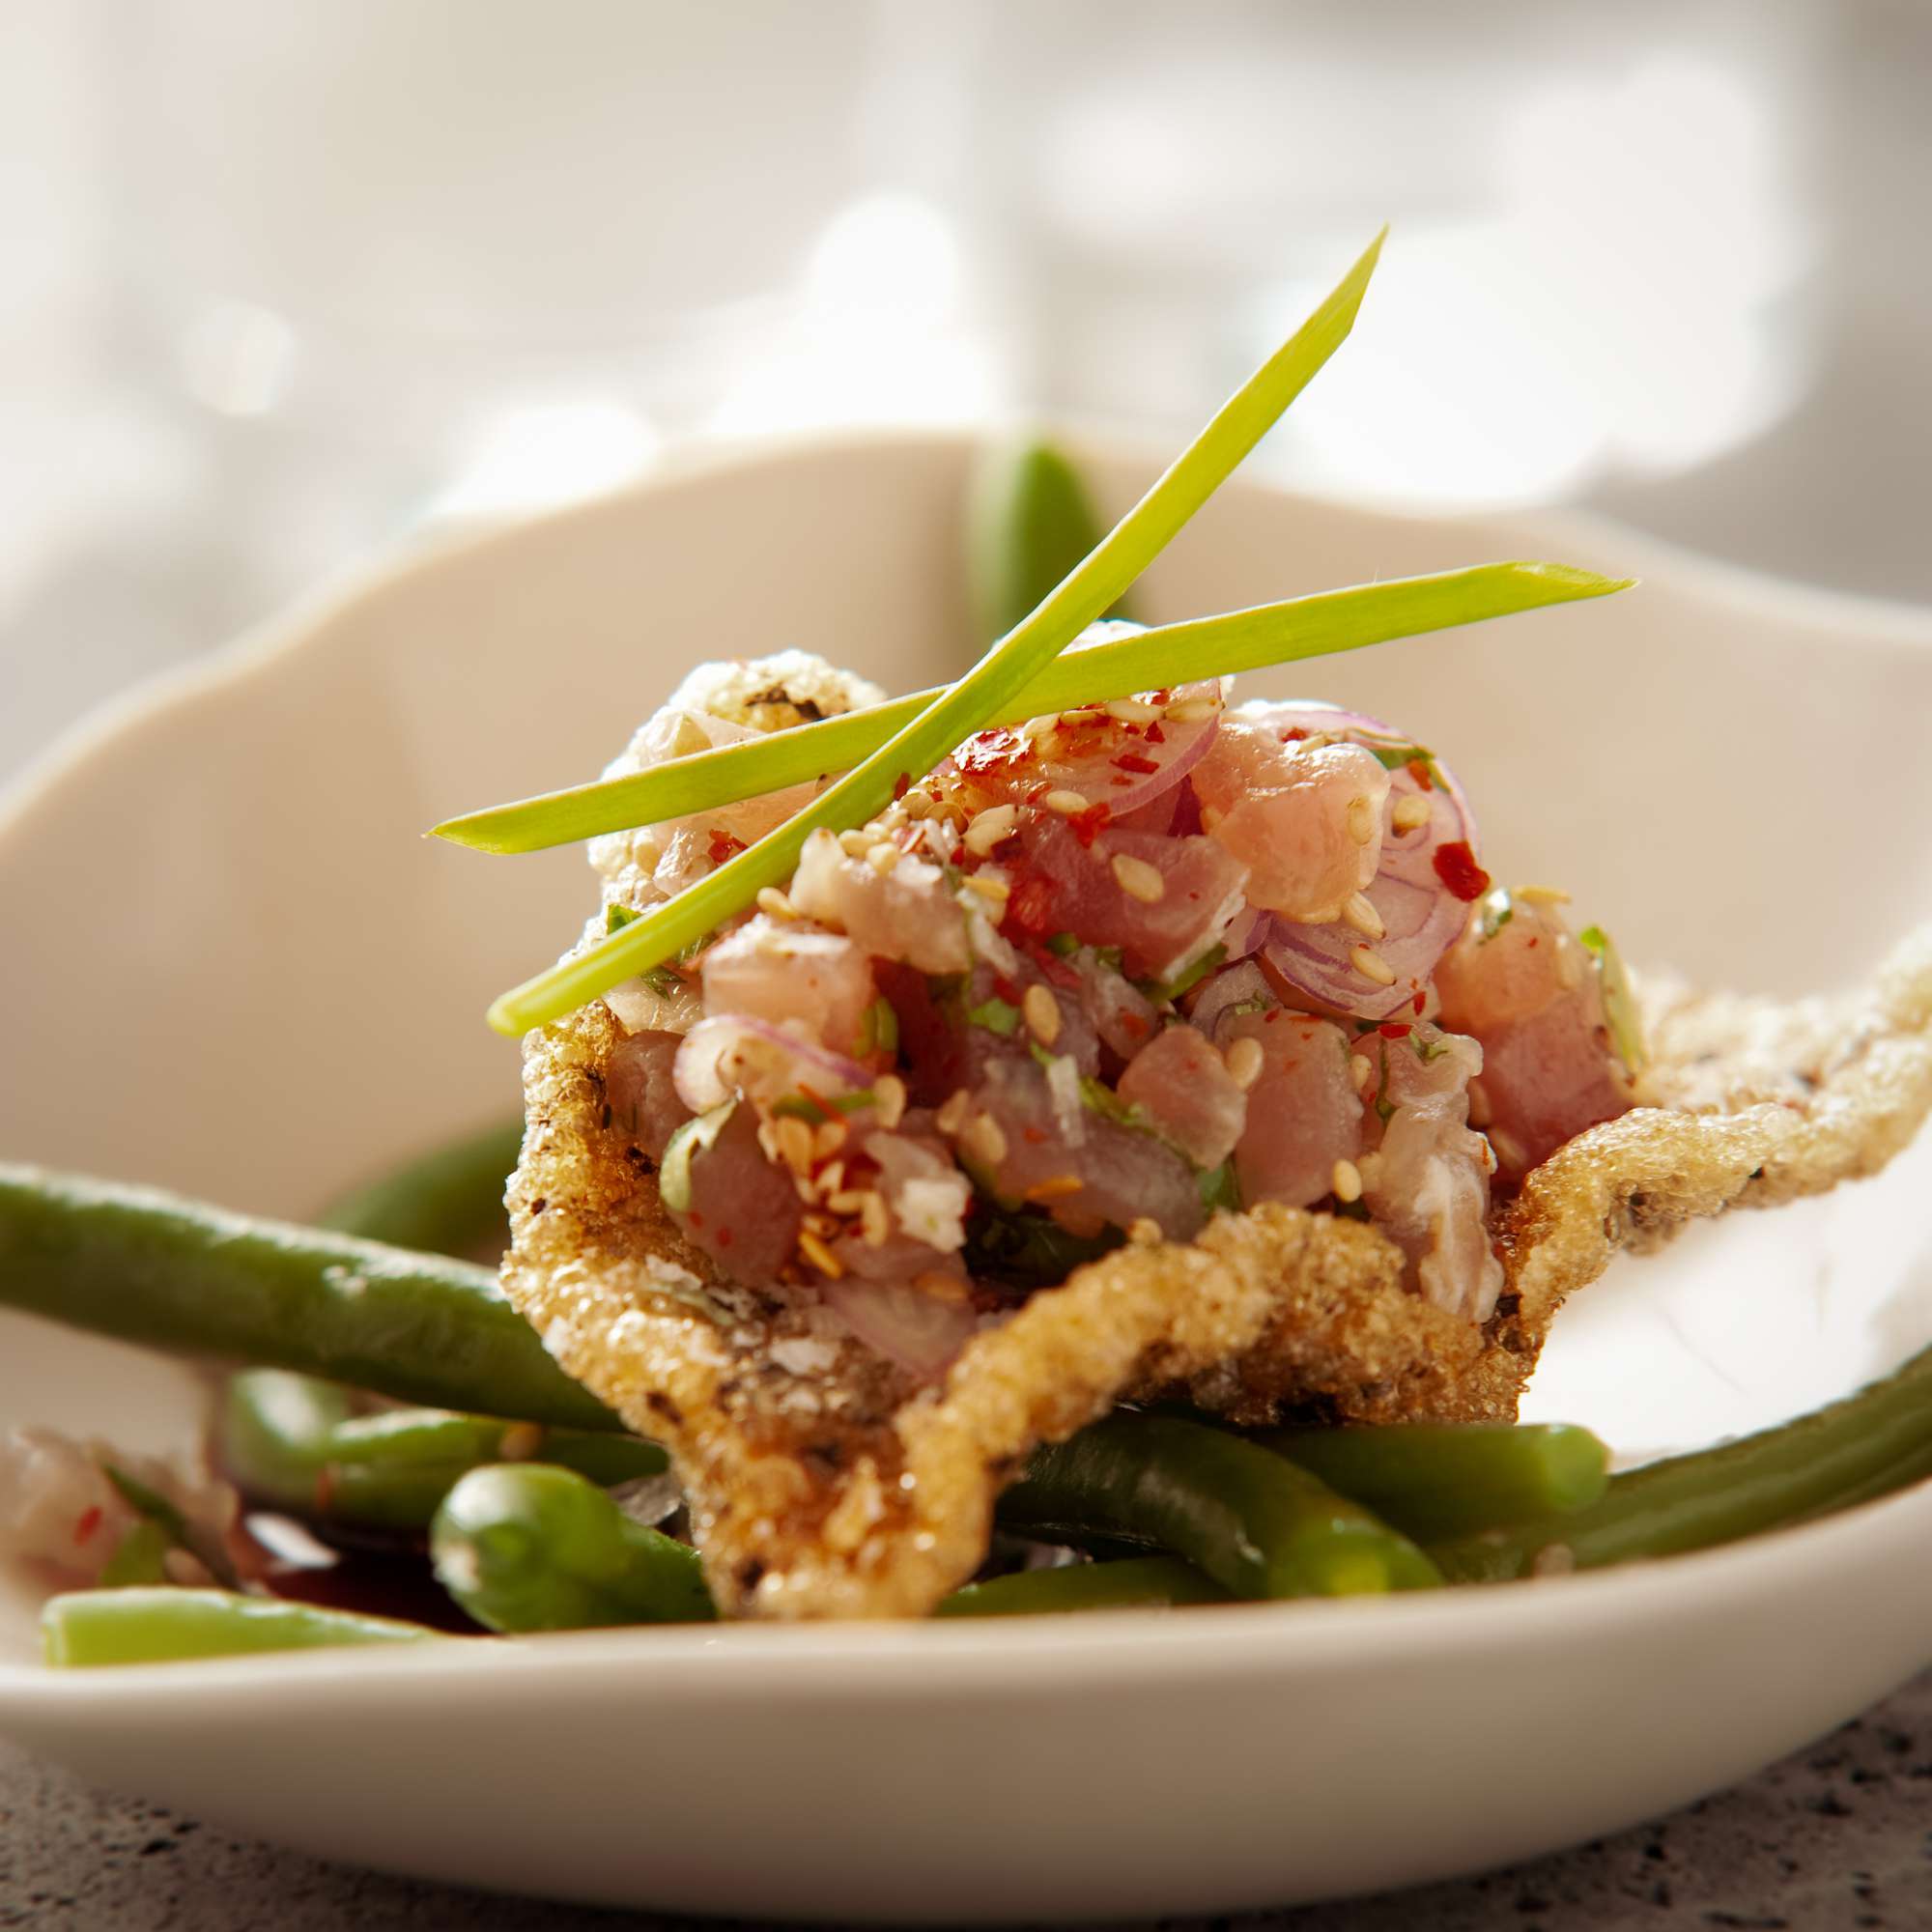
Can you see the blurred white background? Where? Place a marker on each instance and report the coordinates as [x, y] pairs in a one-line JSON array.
[[284, 284]]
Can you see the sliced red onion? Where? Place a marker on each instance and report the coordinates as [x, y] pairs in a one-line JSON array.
[[1421, 916], [1247, 934], [1236, 986], [1004, 759], [700, 1061], [921, 1332]]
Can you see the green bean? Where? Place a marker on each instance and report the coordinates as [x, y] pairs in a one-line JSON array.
[[1443, 1480], [446, 1203], [139, 1557], [1029, 525], [531, 1547], [148, 1266], [164, 1626], [1852, 1451], [1138, 1582], [1255, 1524], [298, 1444]]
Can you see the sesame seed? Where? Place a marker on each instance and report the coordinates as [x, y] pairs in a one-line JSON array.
[[1131, 710], [919, 805], [989, 887], [1359, 912], [1370, 1168], [983, 1139], [1371, 965], [774, 903], [1055, 1187], [875, 1224], [1347, 1179], [1244, 1063], [1192, 710], [1553, 895], [1480, 1115], [882, 857], [1043, 1014], [794, 1143], [989, 827], [1210, 818], [854, 843], [848, 1200], [1360, 1071], [1143, 1231], [519, 1442], [831, 1178], [952, 1112], [829, 1138], [1361, 819], [1066, 801], [1138, 879], [820, 1256], [1411, 813], [1569, 968], [889, 1099]]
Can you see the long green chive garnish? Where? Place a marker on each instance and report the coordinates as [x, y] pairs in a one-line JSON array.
[[986, 690], [1271, 633]]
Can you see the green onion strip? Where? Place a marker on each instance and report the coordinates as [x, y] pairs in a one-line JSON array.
[[1241, 640], [988, 690]]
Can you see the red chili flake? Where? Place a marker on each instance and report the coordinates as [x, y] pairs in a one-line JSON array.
[[1132, 1024], [1456, 867], [1394, 1028], [1007, 990], [1164, 696], [1421, 1000], [1294, 732], [1156, 735], [1418, 770], [695, 1219], [723, 846], [1054, 968], [1087, 826], [86, 1523], [1033, 1136], [1028, 911], [901, 785], [1117, 781], [1137, 761], [990, 751], [724, 1237]]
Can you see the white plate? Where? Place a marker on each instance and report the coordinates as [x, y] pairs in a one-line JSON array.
[[231, 966]]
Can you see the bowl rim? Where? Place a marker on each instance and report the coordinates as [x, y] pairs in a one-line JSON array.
[[888, 1656]]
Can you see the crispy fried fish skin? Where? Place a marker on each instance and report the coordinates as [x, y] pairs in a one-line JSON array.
[[823, 1481], [826, 1482]]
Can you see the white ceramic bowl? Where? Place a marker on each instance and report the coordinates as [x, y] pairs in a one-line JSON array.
[[232, 966]]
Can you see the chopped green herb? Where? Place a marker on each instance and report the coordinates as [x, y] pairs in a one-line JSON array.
[[879, 1029], [1620, 1007], [617, 918], [692, 1139], [995, 1016], [1498, 909], [1027, 1249], [1221, 1191], [804, 1107], [1161, 991], [1384, 1106], [139, 1557], [1426, 1051], [1062, 944]]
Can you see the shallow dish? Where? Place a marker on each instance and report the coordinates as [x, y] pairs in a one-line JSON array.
[[235, 969]]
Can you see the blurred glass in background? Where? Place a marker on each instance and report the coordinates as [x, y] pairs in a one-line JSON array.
[[286, 284]]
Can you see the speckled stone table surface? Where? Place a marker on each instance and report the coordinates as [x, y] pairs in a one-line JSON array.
[[1837, 1839]]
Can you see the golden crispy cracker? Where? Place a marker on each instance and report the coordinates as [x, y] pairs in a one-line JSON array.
[[826, 1482]]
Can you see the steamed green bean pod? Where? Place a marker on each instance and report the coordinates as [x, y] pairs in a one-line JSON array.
[[1135, 1582], [531, 1547], [1250, 1520], [1029, 525], [1450, 1479], [300, 1445], [1849, 1452], [147, 1267], [448, 1202]]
